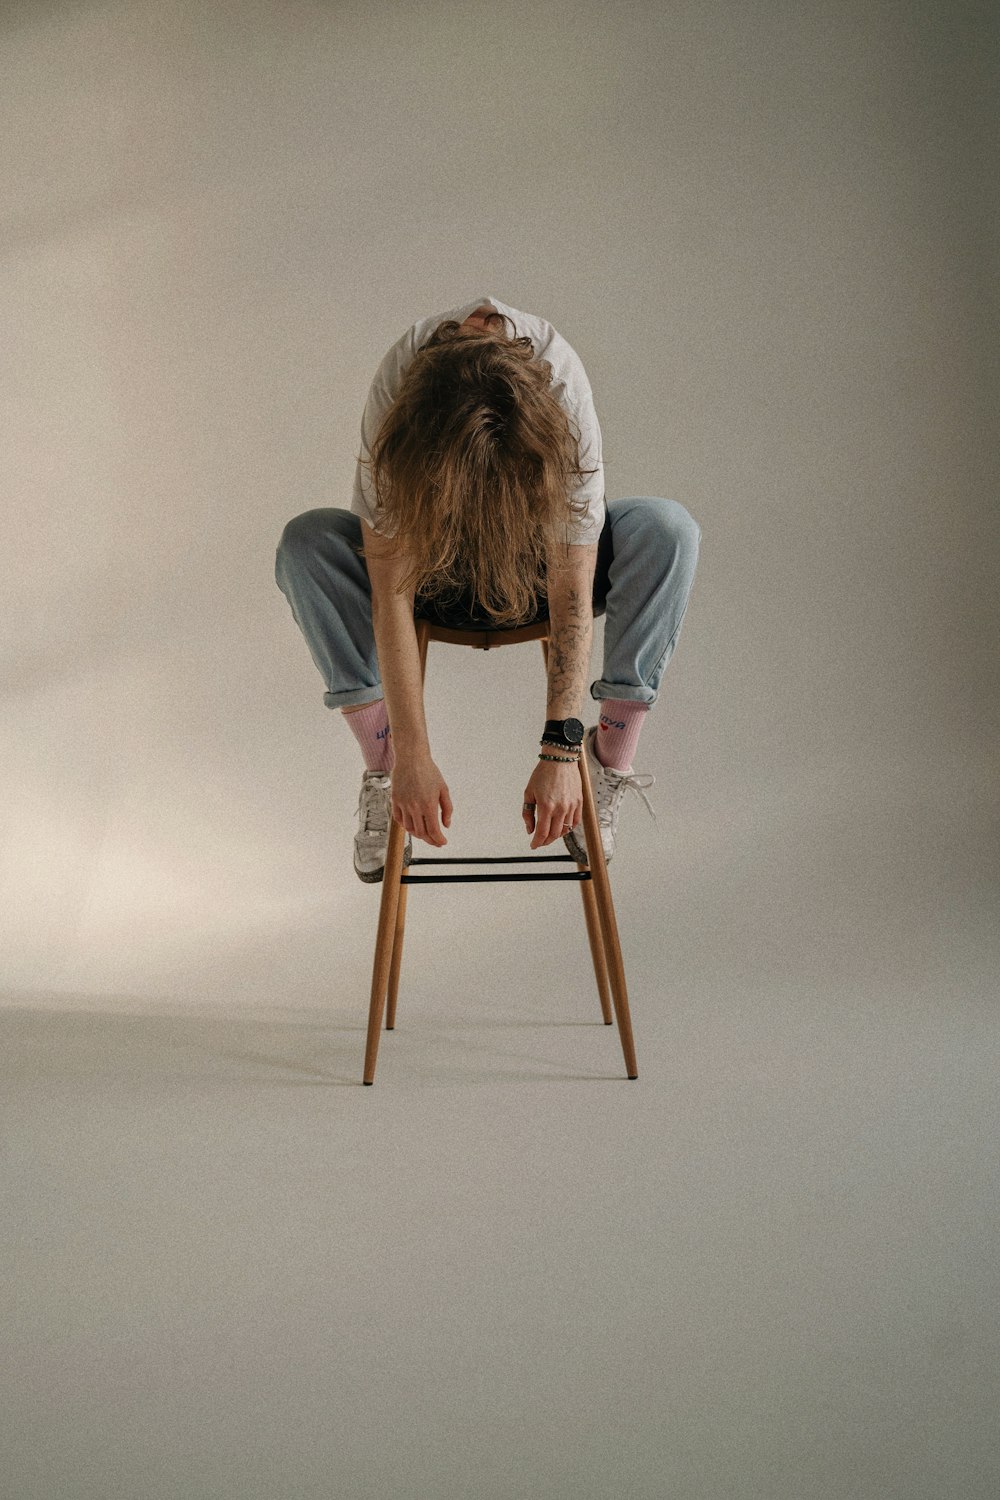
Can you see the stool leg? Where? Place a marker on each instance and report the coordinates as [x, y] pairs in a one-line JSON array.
[[385, 941], [611, 955], [590, 912], [391, 922], [609, 926], [596, 945], [397, 959]]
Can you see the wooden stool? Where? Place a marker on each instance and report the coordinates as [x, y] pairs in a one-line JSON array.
[[595, 888]]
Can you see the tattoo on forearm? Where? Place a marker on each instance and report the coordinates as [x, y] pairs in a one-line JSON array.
[[571, 636]]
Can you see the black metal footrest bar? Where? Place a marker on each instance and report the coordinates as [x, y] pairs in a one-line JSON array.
[[493, 859], [553, 875]]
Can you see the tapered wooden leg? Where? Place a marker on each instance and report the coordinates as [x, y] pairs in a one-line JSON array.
[[384, 942], [606, 912], [397, 946], [596, 938], [397, 958], [391, 921], [602, 929]]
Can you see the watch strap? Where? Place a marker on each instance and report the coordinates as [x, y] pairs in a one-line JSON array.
[[556, 731]]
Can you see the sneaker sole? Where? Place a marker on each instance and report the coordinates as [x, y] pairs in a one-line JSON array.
[[579, 852], [374, 877]]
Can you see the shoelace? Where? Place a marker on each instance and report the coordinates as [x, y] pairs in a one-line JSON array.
[[613, 787], [374, 804]]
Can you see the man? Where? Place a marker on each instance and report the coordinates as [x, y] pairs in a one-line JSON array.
[[479, 501]]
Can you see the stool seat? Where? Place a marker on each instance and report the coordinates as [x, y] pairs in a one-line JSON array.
[[595, 885]]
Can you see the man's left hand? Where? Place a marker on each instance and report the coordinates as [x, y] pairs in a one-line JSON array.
[[556, 791]]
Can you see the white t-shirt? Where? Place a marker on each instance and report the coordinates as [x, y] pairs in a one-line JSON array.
[[569, 385]]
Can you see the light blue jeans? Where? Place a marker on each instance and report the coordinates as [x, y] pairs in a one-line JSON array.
[[646, 563]]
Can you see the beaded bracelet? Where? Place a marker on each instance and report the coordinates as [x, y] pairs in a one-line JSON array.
[[567, 760]]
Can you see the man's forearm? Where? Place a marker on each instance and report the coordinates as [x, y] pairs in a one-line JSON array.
[[571, 637], [399, 666]]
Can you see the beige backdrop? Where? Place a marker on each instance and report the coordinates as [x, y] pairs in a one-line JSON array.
[[766, 229]]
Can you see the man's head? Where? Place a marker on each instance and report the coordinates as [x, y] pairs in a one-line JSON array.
[[479, 321], [474, 466]]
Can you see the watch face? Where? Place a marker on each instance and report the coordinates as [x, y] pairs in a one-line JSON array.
[[573, 729]]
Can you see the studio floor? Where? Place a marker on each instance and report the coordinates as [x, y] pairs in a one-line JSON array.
[[764, 1269]]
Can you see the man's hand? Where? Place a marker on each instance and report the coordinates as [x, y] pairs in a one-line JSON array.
[[557, 793], [418, 791]]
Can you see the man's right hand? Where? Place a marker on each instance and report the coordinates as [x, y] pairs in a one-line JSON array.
[[419, 791]]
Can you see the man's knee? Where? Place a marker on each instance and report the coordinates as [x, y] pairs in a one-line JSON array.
[[675, 524], [324, 529], [301, 533]]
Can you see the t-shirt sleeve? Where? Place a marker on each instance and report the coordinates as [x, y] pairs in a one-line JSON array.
[[363, 500], [582, 529]]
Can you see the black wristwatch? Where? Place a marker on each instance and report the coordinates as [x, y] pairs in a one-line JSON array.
[[568, 732]]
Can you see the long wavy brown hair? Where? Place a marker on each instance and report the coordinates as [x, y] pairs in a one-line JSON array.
[[473, 470]]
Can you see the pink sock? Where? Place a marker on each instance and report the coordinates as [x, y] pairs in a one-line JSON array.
[[618, 732], [370, 727]]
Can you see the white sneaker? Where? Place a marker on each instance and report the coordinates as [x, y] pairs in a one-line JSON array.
[[372, 837], [610, 787]]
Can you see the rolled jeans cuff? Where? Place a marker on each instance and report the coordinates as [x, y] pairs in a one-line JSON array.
[[352, 696], [625, 694]]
